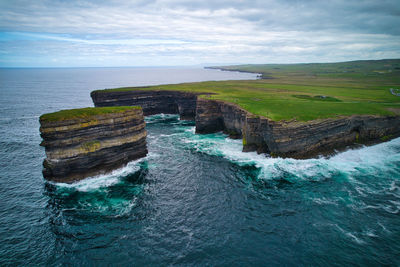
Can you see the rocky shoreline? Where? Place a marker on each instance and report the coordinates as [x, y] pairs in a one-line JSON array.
[[277, 138], [95, 144]]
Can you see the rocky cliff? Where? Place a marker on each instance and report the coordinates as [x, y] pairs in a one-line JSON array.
[[88, 145], [293, 139], [307, 139], [152, 102], [285, 139], [213, 116]]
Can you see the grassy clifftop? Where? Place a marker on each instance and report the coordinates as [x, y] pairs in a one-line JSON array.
[[306, 91], [82, 113]]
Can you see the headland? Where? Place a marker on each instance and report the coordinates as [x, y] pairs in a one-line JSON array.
[[300, 111]]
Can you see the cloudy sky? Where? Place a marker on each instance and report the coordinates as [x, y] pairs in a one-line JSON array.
[[63, 33]]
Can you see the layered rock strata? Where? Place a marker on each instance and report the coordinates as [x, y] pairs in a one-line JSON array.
[[293, 139], [284, 139], [214, 116], [308, 139], [80, 147], [152, 102]]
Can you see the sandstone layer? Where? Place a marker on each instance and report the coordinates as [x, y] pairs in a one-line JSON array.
[[80, 147], [277, 138]]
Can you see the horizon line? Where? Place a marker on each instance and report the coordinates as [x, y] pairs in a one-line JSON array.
[[193, 65]]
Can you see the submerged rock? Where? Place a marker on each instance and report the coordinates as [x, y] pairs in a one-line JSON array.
[[90, 141]]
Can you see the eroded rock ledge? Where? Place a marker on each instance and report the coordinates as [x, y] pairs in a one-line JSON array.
[[285, 139], [94, 144]]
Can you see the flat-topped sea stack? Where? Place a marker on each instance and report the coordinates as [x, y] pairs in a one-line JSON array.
[[84, 142]]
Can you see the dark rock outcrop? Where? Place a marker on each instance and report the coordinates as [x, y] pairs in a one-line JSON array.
[[81, 147], [214, 116], [308, 139], [152, 102], [284, 139], [208, 116]]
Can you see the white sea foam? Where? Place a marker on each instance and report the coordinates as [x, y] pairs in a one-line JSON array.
[[384, 228], [325, 201], [372, 159], [369, 162], [370, 233], [104, 180], [160, 117], [350, 235]]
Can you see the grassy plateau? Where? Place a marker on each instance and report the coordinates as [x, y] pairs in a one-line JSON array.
[[82, 113], [306, 91]]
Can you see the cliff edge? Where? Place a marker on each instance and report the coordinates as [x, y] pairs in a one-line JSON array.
[[296, 139]]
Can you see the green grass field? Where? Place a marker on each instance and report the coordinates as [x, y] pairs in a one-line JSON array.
[[307, 91], [82, 113]]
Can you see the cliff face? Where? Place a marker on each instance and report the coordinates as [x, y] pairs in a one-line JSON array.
[[82, 147], [214, 116], [293, 139], [285, 139], [307, 139], [208, 116], [152, 102]]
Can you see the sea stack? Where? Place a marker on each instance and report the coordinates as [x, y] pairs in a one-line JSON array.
[[84, 142]]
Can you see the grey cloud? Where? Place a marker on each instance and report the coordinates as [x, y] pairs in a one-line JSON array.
[[359, 16], [255, 31]]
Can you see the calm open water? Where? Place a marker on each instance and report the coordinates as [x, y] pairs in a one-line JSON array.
[[195, 200]]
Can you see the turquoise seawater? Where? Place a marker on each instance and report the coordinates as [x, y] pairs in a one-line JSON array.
[[194, 200]]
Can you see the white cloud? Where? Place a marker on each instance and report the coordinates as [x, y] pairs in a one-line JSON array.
[[191, 32]]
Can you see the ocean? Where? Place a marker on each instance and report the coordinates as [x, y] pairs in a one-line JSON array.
[[195, 199]]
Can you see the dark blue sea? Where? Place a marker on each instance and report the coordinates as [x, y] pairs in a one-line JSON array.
[[195, 199]]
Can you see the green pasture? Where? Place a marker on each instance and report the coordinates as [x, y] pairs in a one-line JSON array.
[[82, 113], [306, 91]]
